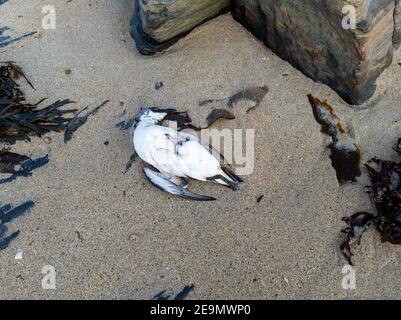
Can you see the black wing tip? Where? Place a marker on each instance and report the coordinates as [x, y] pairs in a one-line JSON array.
[[198, 198], [188, 195]]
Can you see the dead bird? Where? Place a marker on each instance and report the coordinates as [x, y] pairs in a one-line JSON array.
[[176, 156]]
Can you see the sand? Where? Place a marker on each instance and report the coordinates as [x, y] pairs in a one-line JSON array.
[[137, 241]]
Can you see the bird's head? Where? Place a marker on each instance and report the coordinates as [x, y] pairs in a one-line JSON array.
[[152, 115]]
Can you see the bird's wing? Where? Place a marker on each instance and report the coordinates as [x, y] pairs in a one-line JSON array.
[[206, 145], [160, 147], [166, 185], [180, 154], [197, 162]]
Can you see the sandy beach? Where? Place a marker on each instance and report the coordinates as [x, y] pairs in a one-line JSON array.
[[111, 235]]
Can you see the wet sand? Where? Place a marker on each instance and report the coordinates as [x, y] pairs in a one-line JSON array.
[[135, 241]]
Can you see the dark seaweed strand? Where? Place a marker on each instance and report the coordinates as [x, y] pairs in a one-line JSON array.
[[20, 120], [26, 168], [255, 94], [345, 157]]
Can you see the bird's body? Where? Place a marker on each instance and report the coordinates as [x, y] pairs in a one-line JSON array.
[[174, 153], [177, 154]]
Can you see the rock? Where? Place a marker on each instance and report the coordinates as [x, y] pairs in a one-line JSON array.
[[397, 24], [159, 85], [157, 24], [309, 34]]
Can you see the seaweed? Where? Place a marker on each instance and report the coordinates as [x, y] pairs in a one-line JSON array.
[[209, 101], [20, 121], [26, 167], [24, 121], [9, 161], [346, 163], [357, 224], [255, 94], [385, 190], [217, 114], [184, 121], [78, 121], [7, 214], [345, 155]]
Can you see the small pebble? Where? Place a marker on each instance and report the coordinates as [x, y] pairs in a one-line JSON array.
[[47, 140], [159, 85], [19, 255]]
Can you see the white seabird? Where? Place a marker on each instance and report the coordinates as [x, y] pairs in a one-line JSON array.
[[176, 156]]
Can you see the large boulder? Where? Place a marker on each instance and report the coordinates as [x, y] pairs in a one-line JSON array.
[[157, 24], [310, 35], [397, 24]]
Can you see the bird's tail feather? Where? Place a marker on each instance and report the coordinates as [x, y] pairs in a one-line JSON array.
[[232, 175], [226, 180]]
